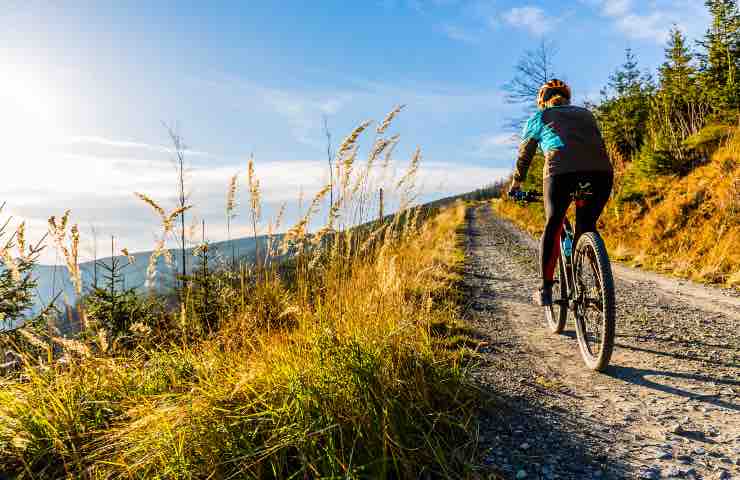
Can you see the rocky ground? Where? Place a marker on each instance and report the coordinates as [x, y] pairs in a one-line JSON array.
[[668, 407]]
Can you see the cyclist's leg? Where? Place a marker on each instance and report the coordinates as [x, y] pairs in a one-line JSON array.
[[589, 210], [556, 195]]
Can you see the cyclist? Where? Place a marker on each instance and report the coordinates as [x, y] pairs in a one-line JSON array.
[[575, 161]]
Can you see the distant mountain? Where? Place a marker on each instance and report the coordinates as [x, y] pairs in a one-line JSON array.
[[54, 279]]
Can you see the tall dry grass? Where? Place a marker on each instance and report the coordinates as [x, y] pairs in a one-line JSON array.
[[331, 361]]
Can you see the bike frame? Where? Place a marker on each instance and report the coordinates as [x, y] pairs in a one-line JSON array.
[[567, 234]]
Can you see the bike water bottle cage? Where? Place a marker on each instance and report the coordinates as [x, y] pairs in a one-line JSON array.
[[567, 245]]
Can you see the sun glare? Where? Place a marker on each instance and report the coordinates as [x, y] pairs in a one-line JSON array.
[[28, 117]]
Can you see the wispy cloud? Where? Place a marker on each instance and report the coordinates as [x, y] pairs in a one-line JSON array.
[[652, 20], [460, 34], [123, 144], [531, 18], [495, 145], [445, 178], [646, 27], [616, 8]]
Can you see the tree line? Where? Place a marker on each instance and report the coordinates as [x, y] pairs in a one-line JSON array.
[[661, 124], [664, 124]]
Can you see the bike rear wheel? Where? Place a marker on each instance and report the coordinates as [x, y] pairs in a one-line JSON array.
[[595, 311], [557, 313]]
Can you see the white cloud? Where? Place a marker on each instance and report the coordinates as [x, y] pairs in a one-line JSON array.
[[302, 111], [444, 178], [646, 27], [616, 8], [99, 191], [530, 18], [118, 145], [96, 174], [495, 145], [460, 34], [652, 20]]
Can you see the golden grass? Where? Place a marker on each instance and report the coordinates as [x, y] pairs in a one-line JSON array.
[[346, 359], [359, 385]]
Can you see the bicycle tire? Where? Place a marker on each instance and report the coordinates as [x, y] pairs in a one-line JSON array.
[[595, 360], [557, 314]]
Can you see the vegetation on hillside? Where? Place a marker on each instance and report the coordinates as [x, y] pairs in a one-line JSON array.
[[338, 354], [675, 149]]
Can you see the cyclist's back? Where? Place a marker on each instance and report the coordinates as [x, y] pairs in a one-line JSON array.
[[575, 160], [570, 140]]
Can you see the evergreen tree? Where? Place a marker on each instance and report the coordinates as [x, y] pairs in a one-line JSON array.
[[116, 307], [678, 110], [204, 287], [17, 287], [721, 57], [17, 283], [627, 80], [676, 74], [625, 108]]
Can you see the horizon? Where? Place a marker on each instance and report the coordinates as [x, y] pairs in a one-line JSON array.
[[87, 89]]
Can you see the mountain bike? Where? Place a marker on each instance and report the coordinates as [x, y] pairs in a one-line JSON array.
[[584, 286]]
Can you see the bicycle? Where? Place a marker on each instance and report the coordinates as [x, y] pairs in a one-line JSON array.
[[584, 286]]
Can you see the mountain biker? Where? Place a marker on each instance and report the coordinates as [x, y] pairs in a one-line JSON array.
[[576, 162]]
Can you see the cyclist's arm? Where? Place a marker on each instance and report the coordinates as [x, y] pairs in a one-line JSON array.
[[528, 146], [527, 150]]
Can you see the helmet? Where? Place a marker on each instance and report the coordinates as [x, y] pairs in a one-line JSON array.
[[552, 90]]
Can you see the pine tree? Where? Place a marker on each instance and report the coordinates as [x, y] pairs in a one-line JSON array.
[[17, 288], [624, 110], [676, 74], [113, 305], [721, 57], [627, 80], [17, 282], [677, 111]]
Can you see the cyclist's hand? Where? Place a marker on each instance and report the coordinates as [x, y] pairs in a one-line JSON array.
[[515, 187]]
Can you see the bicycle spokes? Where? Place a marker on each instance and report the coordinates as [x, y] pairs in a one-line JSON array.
[[589, 309], [585, 288]]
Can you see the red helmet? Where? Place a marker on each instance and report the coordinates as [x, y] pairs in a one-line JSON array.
[[550, 90]]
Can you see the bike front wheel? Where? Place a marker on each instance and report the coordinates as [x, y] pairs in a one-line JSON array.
[[595, 311]]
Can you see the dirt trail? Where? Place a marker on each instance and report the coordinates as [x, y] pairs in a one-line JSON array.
[[668, 407]]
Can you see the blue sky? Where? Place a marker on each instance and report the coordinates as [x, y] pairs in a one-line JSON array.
[[87, 85]]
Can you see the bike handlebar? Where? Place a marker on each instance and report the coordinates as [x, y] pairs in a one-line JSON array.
[[527, 196]]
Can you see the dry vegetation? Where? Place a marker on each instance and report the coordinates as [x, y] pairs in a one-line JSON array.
[[340, 354], [686, 226]]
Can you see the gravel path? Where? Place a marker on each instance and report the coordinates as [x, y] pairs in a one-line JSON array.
[[668, 407]]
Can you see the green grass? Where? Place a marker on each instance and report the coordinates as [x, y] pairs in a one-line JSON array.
[[369, 381]]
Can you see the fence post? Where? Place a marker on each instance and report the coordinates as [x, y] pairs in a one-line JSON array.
[[380, 208]]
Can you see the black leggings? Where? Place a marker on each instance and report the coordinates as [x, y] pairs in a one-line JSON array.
[[558, 192]]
